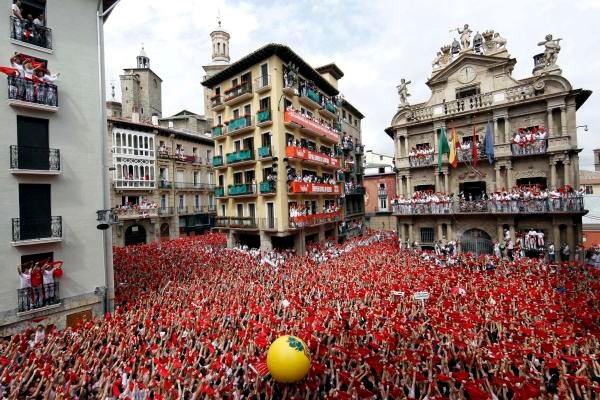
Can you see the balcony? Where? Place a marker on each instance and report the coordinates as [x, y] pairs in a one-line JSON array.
[[354, 190], [216, 103], [27, 231], [38, 298], [268, 187], [34, 160], [529, 149], [240, 156], [216, 131], [354, 212], [24, 93], [203, 209], [329, 110], [359, 149], [134, 184], [310, 97], [347, 145], [313, 188], [565, 205], [312, 126], [264, 152], [240, 125], [242, 189], [236, 222], [381, 192], [421, 161], [136, 212], [262, 84], [219, 191], [311, 157], [238, 93], [28, 34], [217, 161], [466, 155], [165, 184], [304, 221], [165, 211], [264, 118]]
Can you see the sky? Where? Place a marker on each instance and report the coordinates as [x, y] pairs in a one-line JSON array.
[[375, 43]]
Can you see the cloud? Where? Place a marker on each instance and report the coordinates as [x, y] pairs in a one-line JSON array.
[[375, 43]]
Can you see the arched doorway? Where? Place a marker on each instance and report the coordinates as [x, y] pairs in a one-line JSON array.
[[164, 231], [135, 234], [477, 242]]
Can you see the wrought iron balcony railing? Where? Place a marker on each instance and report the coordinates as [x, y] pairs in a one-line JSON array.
[[531, 206], [240, 156], [263, 116], [32, 92], [237, 91], [148, 184], [219, 191], [236, 222], [34, 158], [38, 297], [27, 32], [268, 187], [217, 161], [240, 123], [162, 211], [36, 228], [529, 148], [264, 152], [242, 189], [421, 161]]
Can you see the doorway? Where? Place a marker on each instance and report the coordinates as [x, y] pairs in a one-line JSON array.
[[473, 190], [135, 234]]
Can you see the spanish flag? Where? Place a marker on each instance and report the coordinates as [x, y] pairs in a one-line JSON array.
[[452, 159]]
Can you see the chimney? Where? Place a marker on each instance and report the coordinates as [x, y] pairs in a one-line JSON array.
[[155, 120], [135, 117]]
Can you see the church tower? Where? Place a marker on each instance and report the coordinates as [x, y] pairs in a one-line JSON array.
[[141, 90], [220, 61]]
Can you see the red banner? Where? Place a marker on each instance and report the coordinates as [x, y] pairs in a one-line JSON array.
[[314, 188], [313, 219], [305, 154], [307, 123]]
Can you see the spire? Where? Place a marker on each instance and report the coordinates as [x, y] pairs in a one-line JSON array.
[[143, 61], [220, 43]]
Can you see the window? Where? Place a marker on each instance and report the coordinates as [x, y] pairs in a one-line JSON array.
[[196, 178], [221, 180], [249, 176], [155, 83], [237, 145], [343, 114], [236, 113], [34, 211], [266, 139], [380, 158], [181, 202], [238, 178], [223, 210], [427, 235], [163, 201], [350, 118], [33, 144], [382, 203], [248, 143], [197, 201], [589, 189], [252, 210], [467, 92], [286, 103], [265, 103], [240, 210], [247, 109]]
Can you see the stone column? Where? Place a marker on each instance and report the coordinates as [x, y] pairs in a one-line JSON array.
[[409, 188], [552, 174], [509, 177], [550, 123], [435, 140], [571, 239], [449, 232], [410, 232], [406, 149], [496, 133], [563, 121], [498, 177], [511, 228], [556, 238], [402, 229], [440, 232], [507, 132], [500, 232], [567, 171], [574, 169], [400, 185], [437, 181], [446, 181]]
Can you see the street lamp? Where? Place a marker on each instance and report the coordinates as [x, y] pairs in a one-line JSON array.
[[585, 127]]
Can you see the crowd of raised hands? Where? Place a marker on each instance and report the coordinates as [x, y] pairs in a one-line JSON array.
[[194, 320]]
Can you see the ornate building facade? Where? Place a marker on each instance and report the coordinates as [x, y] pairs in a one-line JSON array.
[[509, 137]]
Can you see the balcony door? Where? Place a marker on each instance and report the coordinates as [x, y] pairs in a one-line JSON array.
[[34, 211], [32, 139], [270, 216]]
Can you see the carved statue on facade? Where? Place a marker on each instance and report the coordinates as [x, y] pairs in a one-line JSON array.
[[493, 42], [290, 75], [437, 61], [455, 47], [478, 43], [499, 41], [465, 36], [446, 55], [403, 92], [552, 49]]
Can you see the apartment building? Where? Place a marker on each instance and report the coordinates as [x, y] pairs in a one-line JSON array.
[[510, 136], [380, 190], [162, 180], [278, 155], [52, 138]]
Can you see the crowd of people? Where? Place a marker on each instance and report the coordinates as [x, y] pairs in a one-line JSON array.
[[28, 29], [326, 124], [308, 145], [194, 321], [143, 207], [30, 80], [421, 156], [38, 287], [528, 141], [301, 215], [465, 153], [527, 199], [295, 175]]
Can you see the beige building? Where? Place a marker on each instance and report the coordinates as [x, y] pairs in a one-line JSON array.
[[162, 178], [274, 115], [473, 88], [53, 181]]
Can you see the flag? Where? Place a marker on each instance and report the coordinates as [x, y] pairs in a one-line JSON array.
[[452, 156], [474, 148], [443, 147], [489, 143]]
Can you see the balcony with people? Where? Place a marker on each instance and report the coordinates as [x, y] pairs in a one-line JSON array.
[[522, 200], [135, 175], [303, 216], [308, 152], [34, 160], [310, 183], [40, 287], [529, 141], [249, 223], [421, 156], [30, 84], [465, 152], [28, 25], [35, 230], [130, 210], [351, 188], [311, 125], [312, 97]]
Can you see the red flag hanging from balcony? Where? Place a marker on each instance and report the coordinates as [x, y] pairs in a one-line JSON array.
[[474, 148]]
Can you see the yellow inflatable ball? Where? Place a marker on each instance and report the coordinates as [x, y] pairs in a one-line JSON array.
[[288, 359]]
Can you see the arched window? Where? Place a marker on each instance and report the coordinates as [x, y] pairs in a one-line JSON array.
[[119, 171], [135, 141], [218, 47], [224, 49], [129, 140], [118, 139]]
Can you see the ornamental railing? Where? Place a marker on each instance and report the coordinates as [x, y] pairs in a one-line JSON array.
[[530, 148], [240, 123], [521, 206], [32, 92], [36, 228], [303, 221], [268, 187], [237, 91], [37, 297], [34, 158], [27, 32], [421, 161]]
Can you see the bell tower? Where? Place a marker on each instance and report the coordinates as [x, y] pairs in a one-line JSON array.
[[141, 90], [219, 60]]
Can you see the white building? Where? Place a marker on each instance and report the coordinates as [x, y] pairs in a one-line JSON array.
[[54, 177], [375, 163]]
